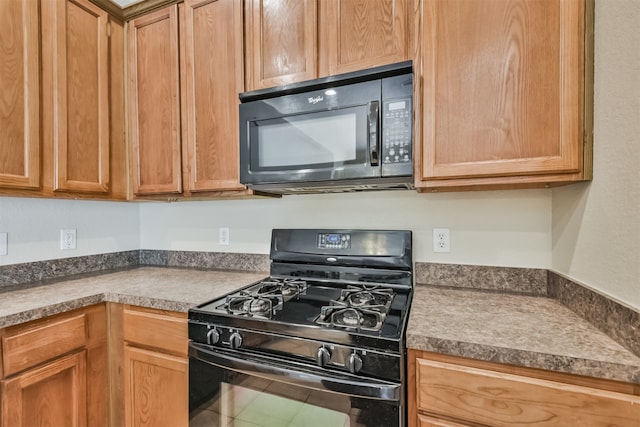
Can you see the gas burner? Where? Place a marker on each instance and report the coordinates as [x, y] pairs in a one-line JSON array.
[[289, 288], [252, 305], [359, 307], [372, 298], [350, 318]]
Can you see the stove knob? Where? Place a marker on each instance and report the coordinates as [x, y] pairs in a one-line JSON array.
[[323, 356], [235, 340], [354, 363], [213, 336]]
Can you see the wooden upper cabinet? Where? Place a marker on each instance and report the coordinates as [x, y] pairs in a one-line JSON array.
[[19, 94], [289, 41], [281, 42], [77, 76], [503, 92], [212, 77], [360, 34], [154, 103]]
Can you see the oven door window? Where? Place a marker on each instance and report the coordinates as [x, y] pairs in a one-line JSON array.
[[318, 140], [223, 397]]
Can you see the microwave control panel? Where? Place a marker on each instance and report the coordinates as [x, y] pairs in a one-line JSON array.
[[396, 131]]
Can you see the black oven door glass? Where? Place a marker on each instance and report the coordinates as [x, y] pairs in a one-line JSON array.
[[225, 397]]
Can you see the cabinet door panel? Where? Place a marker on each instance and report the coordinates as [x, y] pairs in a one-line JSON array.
[[53, 394], [28, 347], [503, 87], [213, 70], [20, 94], [426, 421], [281, 42], [154, 103], [156, 389], [501, 399], [80, 94], [360, 34]]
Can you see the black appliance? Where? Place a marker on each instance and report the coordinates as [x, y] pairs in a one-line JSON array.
[[346, 132], [322, 338]]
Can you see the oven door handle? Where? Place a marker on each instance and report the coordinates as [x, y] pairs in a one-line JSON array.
[[325, 381]]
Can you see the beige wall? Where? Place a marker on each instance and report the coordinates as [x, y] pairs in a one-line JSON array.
[[508, 228], [596, 226], [34, 227]]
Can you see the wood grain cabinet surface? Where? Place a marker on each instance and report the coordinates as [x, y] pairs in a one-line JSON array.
[[185, 73], [61, 65], [360, 34], [281, 42], [20, 136], [154, 364], [154, 103], [450, 391], [76, 31], [54, 371], [290, 41], [506, 93]]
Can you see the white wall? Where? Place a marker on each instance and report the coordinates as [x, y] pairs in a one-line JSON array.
[[590, 232], [34, 228], [596, 226], [508, 228]]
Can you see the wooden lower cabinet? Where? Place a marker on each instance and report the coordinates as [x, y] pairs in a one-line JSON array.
[[105, 365], [54, 371], [52, 394], [452, 391], [150, 363], [156, 388]]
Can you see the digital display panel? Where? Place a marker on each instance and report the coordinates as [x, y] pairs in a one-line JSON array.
[[400, 105], [334, 241]]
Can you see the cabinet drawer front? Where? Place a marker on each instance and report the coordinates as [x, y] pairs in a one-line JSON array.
[[156, 330], [501, 399], [29, 347]]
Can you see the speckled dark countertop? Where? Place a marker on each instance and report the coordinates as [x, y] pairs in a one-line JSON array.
[[154, 287], [530, 331]]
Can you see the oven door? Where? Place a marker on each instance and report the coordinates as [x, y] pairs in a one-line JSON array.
[[229, 388]]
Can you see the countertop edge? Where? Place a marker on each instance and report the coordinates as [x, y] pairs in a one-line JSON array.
[[526, 358], [47, 310]]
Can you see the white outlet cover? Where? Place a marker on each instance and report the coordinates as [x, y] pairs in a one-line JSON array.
[[223, 236], [67, 239], [441, 240]]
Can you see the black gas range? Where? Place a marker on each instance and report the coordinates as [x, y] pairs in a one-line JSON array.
[[326, 326]]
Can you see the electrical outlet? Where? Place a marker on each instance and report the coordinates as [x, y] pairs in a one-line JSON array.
[[223, 236], [68, 238], [3, 244], [441, 242]]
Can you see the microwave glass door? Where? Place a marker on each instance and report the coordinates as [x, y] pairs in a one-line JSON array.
[[316, 140], [304, 140]]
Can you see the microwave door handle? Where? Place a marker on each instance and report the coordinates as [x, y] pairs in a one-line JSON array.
[[374, 132]]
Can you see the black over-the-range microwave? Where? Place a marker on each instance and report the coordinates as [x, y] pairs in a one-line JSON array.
[[348, 132]]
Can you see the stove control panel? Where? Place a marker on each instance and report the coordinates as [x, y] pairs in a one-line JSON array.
[[334, 241], [323, 355]]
